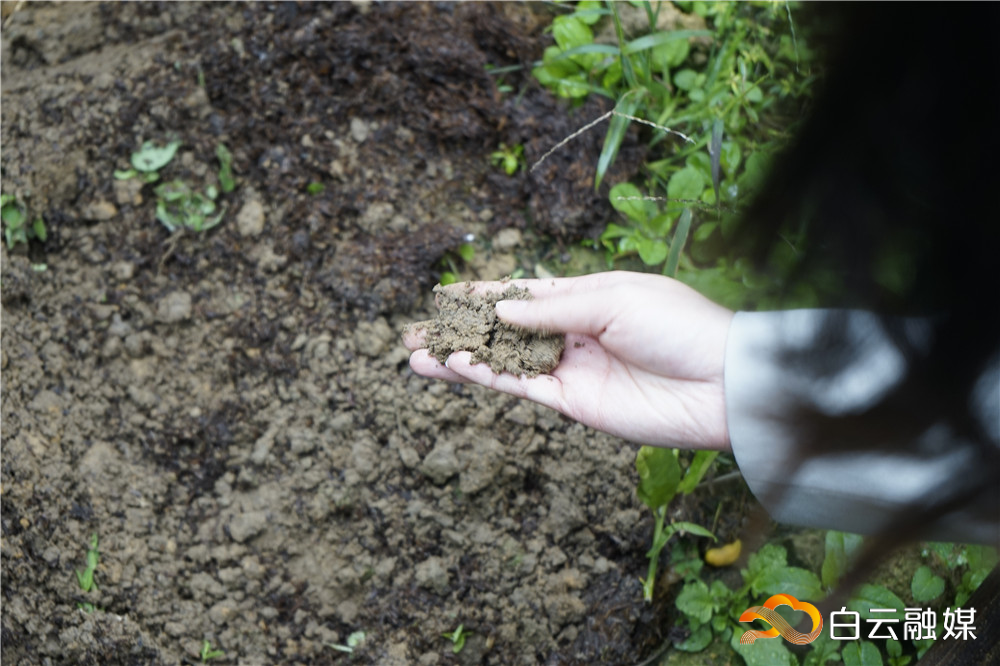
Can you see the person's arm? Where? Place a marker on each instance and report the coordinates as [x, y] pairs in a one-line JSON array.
[[851, 490]]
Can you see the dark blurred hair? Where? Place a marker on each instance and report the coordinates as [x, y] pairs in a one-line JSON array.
[[895, 178]]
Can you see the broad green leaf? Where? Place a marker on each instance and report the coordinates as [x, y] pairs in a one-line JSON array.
[[685, 184], [840, 547], [153, 158], [860, 653], [699, 464], [800, 583], [41, 233], [770, 556], [659, 475], [686, 79], [671, 54], [627, 198], [925, 586], [570, 32], [590, 11], [868, 596], [695, 601], [652, 252]]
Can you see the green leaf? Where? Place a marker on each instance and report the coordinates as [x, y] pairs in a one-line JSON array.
[[686, 79], [860, 653], [697, 641], [695, 601], [153, 158], [763, 652], [657, 38], [13, 214], [699, 466], [570, 32], [824, 649], [671, 54], [802, 584], [692, 528], [680, 238], [685, 184], [770, 556], [659, 475], [226, 180], [652, 252], [870, 596], [626, 198], [613, 139], [840, 548], [467, 251], [925, 586], [448, 278]]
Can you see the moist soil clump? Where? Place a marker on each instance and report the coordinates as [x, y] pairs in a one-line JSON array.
[[467, 321]]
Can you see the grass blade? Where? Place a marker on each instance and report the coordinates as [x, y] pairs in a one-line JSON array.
[[680, 238]]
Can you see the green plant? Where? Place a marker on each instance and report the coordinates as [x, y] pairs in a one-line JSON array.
[[465, 252], [148, 160], [85, 578], [178, 204], [457, 638], [226, 180], [659, 481], [712, 611], [510, 157], [315, 188], [735, 95], [208, 653], [15, 216]]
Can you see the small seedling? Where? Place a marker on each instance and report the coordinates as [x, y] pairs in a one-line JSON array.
[[15, 217], [148, 160], [178, 206], [659, 480], [208, 653], [85, 578], [511, 158], [226, 180], [315, 188], [353, 641], [457, 638], [466, 252]]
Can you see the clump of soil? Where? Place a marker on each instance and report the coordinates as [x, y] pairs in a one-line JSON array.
[[467, 321]]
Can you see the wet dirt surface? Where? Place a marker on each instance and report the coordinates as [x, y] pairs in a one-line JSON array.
[[232, 412]]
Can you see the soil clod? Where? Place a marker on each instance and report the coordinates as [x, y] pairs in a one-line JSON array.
[[468, 321]]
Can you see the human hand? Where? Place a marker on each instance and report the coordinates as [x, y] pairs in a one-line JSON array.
[[643, 360]]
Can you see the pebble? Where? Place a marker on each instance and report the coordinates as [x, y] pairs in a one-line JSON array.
[[174, 307], [250, 219]]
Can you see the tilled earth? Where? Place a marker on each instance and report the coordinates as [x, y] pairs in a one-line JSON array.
[[232, 412]]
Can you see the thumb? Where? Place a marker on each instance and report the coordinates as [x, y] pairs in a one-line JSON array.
[[574, 313]]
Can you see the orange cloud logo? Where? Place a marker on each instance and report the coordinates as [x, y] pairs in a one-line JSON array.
[[778, 623]]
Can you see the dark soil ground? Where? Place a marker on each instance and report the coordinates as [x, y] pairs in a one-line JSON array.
[[232, 412]]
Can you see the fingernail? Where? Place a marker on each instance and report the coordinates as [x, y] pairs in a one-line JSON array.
[[507, 309]]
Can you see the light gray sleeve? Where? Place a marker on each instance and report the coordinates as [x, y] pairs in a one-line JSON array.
[[851, 491]]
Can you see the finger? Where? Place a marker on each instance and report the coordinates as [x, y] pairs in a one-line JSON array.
[[585, 313], [543, 389], [538, 288], [422, 363], [415, 335]]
